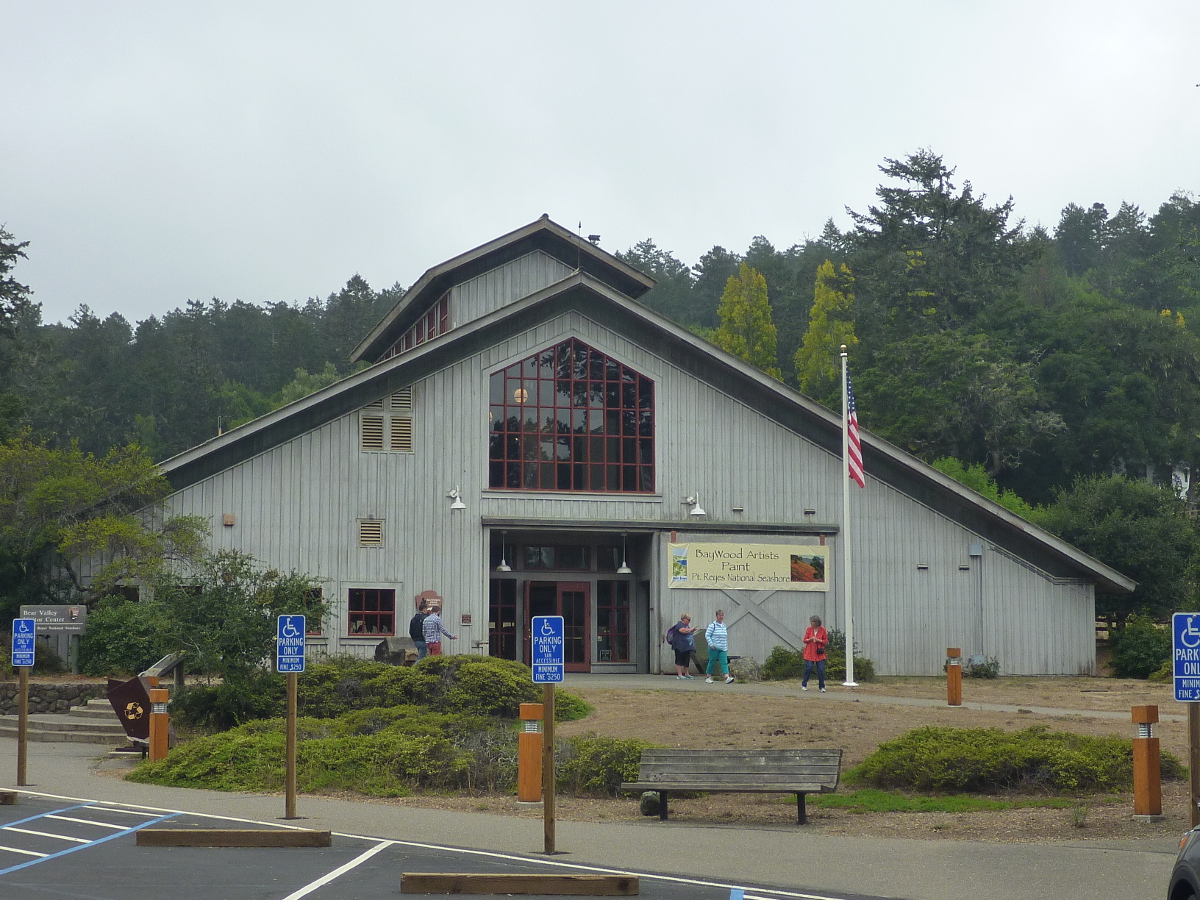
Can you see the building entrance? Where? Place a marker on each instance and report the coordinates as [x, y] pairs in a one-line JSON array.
[[572, 601]]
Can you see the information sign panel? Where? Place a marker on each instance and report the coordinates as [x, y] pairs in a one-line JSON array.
[[1185, 655], [23, 647], [289, 644], [548, 655]]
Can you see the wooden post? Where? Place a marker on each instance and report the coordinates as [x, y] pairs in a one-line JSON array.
[[1194, 759], [159, 723], [22, 724], [290, 764], [548, 767], [953, 676], [529, 755], [1147, 772]]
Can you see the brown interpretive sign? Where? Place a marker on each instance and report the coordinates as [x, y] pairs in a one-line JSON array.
[[57, 619]]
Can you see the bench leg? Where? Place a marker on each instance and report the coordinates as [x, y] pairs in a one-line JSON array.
[[662, 805], [801, 811]]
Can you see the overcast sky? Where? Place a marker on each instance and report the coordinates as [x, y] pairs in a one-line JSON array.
[[156, 152]]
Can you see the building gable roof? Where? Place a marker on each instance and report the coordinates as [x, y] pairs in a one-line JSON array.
[[583, 293], [543, 234]]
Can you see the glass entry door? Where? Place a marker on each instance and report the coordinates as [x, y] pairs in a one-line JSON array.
[[572, 601]]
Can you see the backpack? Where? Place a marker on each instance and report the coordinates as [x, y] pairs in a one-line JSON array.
[[671, 636], [416, 629]]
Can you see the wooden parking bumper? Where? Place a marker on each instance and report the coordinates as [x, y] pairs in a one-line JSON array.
[[571, 885], [8, 798], [232, 837]]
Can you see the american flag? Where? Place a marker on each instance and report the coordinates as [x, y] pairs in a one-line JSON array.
[[854, 461]]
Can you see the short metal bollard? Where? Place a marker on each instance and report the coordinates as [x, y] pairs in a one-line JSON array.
[[1147, 768], [529, 754], [953, 676]]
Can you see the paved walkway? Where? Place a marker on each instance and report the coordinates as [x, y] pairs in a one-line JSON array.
[[784, 856]]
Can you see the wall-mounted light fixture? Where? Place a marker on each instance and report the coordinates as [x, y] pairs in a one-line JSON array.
[[624, 570], [504, 566], [694, 502], [454, 495]]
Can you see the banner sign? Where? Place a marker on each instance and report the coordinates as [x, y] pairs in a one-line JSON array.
[[750, 567]]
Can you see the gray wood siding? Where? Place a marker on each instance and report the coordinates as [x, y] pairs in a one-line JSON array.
[[297, 506], [502, 285]]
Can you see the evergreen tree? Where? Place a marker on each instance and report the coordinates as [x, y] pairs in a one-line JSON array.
[[830, 325], [746, 329]]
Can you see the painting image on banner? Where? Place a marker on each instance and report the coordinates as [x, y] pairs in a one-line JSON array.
[[750, 567]]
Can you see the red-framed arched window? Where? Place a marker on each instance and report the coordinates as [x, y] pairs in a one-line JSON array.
[[571, 418]]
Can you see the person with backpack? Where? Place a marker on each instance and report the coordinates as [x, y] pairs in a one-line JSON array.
[[717, 636], [416, 630], [682, 638]]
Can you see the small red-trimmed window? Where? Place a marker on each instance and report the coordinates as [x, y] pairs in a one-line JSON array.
[[434, 323], [372, 611], [571, 418], [312, 623]]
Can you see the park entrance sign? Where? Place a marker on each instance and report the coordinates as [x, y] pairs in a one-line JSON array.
[[1185, 656]]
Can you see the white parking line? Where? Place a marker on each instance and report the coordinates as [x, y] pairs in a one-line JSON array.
[[87, 822], [338, 872], [61, 837], [24, 852]]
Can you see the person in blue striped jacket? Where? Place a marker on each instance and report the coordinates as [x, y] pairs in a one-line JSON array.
[[717, 636]]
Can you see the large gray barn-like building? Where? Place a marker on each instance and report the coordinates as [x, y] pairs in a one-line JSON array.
[[531, 440]]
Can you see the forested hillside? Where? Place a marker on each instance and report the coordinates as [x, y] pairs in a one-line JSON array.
[[1040, 357]]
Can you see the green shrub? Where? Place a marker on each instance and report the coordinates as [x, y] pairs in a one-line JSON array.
[[988, 759], [835, 668], [46, 661], [123, 638], [240, 699], [569, 708], [783, 663], [989, 668], [1165, 673], [389, 762], [590, 765], [1140, 648]]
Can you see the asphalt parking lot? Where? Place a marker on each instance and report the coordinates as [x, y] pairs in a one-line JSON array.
[[60, 847]]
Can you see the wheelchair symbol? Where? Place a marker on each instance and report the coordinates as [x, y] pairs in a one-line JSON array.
[[1190, 636], [23, 626], [290, 630], [548, 629]]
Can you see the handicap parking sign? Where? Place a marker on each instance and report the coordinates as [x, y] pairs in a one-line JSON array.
[[23, 647], [289, 644], [1185, 655], [548, 650]]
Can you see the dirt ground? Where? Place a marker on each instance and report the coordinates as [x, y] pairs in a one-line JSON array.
[[739, 716]]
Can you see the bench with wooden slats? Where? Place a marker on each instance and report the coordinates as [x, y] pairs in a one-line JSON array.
[[798, 772]]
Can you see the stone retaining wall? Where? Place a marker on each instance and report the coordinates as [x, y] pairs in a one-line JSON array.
[[48, 698]]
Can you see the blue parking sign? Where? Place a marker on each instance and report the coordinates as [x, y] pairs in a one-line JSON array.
[[1185, 655], [549, 649], [289, 644], [23, 647]]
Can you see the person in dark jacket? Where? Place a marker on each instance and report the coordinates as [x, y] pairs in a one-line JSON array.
[[416, 630]]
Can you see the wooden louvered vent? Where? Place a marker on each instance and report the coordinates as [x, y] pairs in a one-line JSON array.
[[370, 534], [400, 437], [372, 432], [402, 399]]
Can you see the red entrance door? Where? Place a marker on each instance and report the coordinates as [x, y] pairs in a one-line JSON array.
[[572, 601]]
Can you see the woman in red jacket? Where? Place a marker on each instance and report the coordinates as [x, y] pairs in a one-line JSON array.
[[815, 641]]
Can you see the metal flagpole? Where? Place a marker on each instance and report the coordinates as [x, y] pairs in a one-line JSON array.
[[849, 624]]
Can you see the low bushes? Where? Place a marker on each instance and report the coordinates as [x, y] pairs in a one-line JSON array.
[[988, 759], [473, 685], [388, 753]]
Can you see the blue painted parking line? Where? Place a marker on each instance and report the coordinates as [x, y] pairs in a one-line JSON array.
[[108, 837]]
